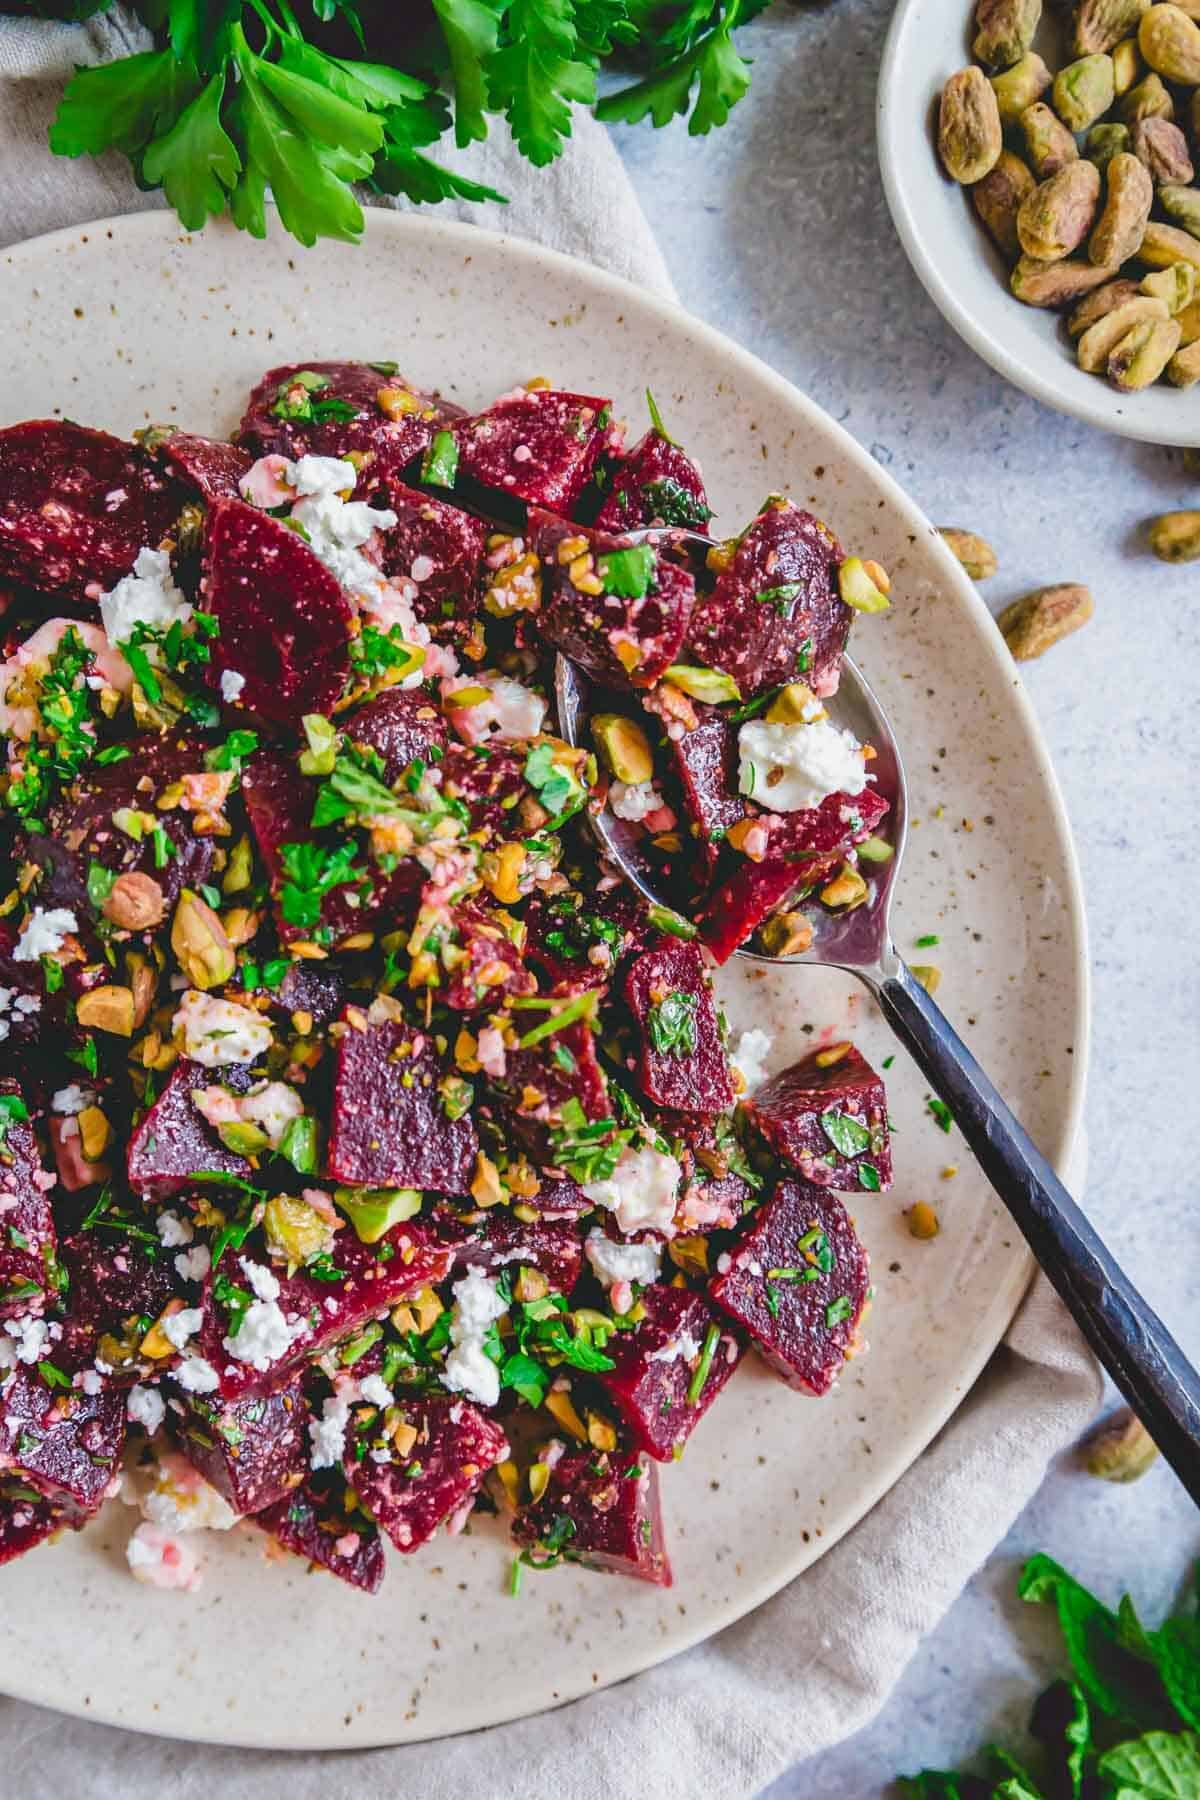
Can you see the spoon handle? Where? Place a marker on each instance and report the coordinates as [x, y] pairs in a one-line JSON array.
[[1127, 1335]]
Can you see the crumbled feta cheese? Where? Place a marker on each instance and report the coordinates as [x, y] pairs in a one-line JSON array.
[[181, 1500], [792, 768], [376, 1390], [273, 1106], [148, 596], [338, 529], [231, 685], [632, 800], [196, 1376], [217, 1032], [71, 1100], [613, 1262], [147, 1408], [162, 1561], [749, 1057], [45, 931], [178, 1327], [640, 1191], [510, 711], [173, 1232], [468, 1368], [263, 1335], [327, 1435], [260, 1279], [91, 1382], [493, 1057], [30, 1336], [194, 1264], [684, 1346], [422, 568]]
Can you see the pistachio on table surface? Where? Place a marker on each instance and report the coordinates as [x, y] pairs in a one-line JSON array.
[[1084, 176], [1120, 1448], [1037, 621], [1175, 536], [973, 552]]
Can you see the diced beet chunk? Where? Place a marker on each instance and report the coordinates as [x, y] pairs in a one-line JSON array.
[[174, 1140], [483, 779], [371, 1279], [683, 1062], [252, 1451], [714, 1191], [26, 1520], [803, 852], [340, 411], [76, 506], [540, 445], [600, 1510], [618, 638], [65, 1444], [414, 1492], [81, 831], [776, 613], [27, 1235], [830, 1122], [492, 969], [540, 1081], [445, 546], [802, 1306], [707, 762], [560, 1197], [27, 1024], [670, 1370], [313, 1523], [553, 1246], [656, 484], [562, 933], [210, 465], [279, 805], [398, 725], [312, 988], [115, 1282], [389, 1127], [284, 620]]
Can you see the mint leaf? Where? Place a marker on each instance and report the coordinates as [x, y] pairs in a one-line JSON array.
[[1113, 1681], [1176, 1651], [197, 162], [628, 573], [1159, 1766], [471, 29]]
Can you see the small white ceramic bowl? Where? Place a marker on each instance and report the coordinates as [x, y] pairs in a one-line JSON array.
[[956, 260]]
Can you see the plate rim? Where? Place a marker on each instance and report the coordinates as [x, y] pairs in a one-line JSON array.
[[893, 129], [157, 223]]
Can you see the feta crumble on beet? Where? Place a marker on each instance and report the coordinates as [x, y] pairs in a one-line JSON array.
[[468, 1368], [231, 686], [793, 767], [612, 1261], [217, 1033], [46, 931], [148, 596], [641, 1191], [147, 1408], [634, 800]]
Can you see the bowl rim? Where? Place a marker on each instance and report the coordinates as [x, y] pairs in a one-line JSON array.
[[894, 124]]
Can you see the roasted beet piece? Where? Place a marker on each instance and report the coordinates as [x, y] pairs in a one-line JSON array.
[[775, 614], [285, 622], [27, 1235], [294, 418], [656, 484], [174, 1140], [492, 969], [210, 465], [312, 988], [683, 1062], [76, 506], [670, 1370], [319, 1313], [798, 1282], [707, 762], [562, 932], [560, 1197], [26, 1024], [620, 639], [65, 1444], [445, 546], [412, 1494], [540, 1081], [313, 1523], [81, 830], [389, 1127], [553, 1246], [483, 779], [803, 851], [713, 1194], [398, 725], [252, 1451], [279, 804], [601, 1510], [539, 445], [830, 1122], [115, 1282], [26, 1520]]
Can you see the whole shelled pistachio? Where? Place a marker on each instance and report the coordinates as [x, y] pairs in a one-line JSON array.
[[1104, 142], [1170, 43], [1163, 245], [1147, 99], [1020, 86], [973, 552], [1122, 224], [1163, 148], [1183, 370], [970, 136], [1037, 621], [1181, 204], [1101, 24], [997, 199], [1101, 339], [1098, 305], [1084, 91], [1049, 146], [1175, 536], [1056, 217], [1127, 65], [1176, 287], [1005, 30], [1056, 284], [1143, 354]]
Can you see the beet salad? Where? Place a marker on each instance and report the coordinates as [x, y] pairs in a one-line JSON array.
[[369, 1152]]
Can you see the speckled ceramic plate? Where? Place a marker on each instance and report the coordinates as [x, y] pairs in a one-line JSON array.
[[121, 323]]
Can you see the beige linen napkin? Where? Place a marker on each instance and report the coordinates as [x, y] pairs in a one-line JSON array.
[[814, 1664]]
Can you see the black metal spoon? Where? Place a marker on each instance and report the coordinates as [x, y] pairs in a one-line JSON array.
[[1130, 1340]]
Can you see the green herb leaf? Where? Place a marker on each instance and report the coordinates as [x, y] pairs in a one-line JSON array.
[[941, 1113], [439, 465], [846, 1133], [1160, 1765], [628, 573], [671, 1024], [196, 162], [1113, 1680]]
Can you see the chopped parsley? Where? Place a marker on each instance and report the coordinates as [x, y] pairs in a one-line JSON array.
[[671, 1024], [628, 573], [838, 1311], [311, 872], [941, 1113], [845, 1132], [440, 463]]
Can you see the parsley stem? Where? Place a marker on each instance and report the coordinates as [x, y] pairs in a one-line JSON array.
[[696, 1385]]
